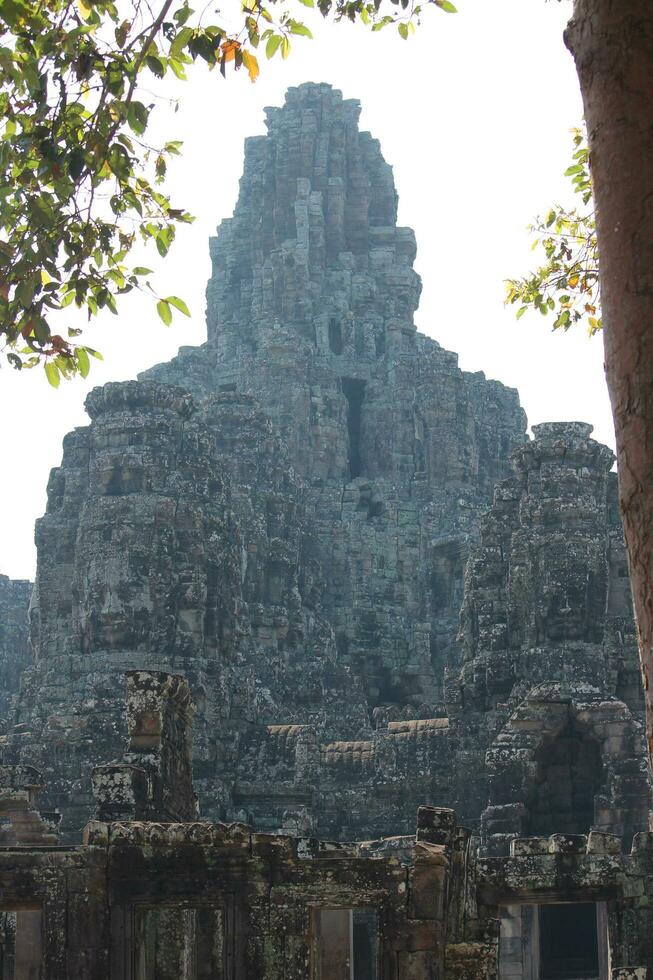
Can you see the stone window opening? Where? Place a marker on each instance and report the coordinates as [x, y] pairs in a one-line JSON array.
[[370, 502], [344, 944], [124, 480], [354, 391], [274, 582], [335, 336], [359, 339], [376, 508]]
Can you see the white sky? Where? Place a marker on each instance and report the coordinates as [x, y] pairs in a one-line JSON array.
[[473, 113]]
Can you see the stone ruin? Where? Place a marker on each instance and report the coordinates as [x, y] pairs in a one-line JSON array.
[[380, 606]]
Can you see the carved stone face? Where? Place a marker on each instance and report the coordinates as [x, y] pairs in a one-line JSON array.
[[565, 616], [557, 586]]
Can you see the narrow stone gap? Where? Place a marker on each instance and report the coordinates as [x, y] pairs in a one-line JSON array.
[[354, 392], [335, 336]]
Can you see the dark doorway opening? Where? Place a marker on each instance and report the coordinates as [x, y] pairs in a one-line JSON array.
[[364, 943], [569, 946], [335, 336], [354, 392], [569, 775], [172, 942]]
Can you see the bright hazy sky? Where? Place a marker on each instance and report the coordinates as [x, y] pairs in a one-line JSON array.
[[473, 113]]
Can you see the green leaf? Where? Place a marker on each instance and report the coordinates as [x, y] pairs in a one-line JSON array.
[[178, 69], [163, 241], [140, 270], [85, 9], [25, 291], [273, 43], [137, 116], [182, 40], [83, 362], [52, 373], [155, 65], [121, 33], [178, 304], [296, 27], [403, 31], [164, 311], [76, 163], [521, 311], [182, 15], [446, 6]]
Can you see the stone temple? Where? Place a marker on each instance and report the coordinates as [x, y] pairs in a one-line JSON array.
[[311, 584]]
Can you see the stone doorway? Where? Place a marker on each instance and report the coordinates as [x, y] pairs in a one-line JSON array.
[[344, 944], [569, 946], [569, 775], [172, 942], [557, 941], [21, 945]]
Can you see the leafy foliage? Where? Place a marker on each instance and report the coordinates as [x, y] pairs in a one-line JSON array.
[[81, 186], [567, 284]]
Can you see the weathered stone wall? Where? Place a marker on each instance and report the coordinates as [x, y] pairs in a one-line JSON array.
[[311, 310], [547, 705], [148, 560], [137, 515], [15, 654], [201, 900], [284, 516], [204, 900], [145, 895]]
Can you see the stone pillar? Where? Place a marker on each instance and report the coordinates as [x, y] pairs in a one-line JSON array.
[[154, 780]]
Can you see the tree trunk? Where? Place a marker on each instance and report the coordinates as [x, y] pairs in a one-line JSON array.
[[612, 44]]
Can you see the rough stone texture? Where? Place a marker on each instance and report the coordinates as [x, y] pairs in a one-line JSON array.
[[155, 900], [310, 309], [283, 514], [14, 647], [283, 517], [147, 560], [154, 778], [549, 688]]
